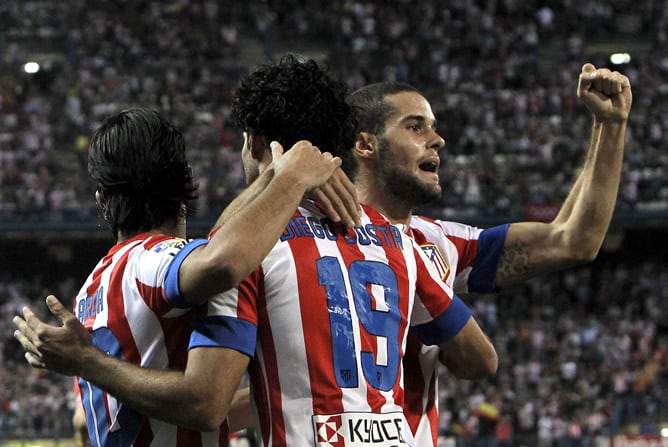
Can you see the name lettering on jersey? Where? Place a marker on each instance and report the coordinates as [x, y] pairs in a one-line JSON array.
[[323, 228], [434, 255], [90, 306], [359, 429]]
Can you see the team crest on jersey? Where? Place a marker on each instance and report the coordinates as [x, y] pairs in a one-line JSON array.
[[434, 254]]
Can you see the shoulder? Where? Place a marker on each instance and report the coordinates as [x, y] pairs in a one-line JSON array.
[[445, 227]]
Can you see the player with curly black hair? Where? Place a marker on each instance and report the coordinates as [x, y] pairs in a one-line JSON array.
[[291, 101]]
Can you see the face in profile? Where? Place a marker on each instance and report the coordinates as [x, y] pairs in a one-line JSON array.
[[408, 150]]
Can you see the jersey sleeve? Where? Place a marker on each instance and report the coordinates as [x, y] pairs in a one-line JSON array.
[[171, 283], [231, 320], [483, 272], [438, 314]]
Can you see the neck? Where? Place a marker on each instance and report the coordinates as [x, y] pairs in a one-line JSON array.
[[376, 196], [176, 229]]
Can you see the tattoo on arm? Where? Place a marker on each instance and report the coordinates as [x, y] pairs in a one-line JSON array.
[[514, 265]]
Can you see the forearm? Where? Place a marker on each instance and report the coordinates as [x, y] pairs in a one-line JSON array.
[[470, 355], [241, 411], [593, 206], [242, 242], [585, 172], [164, 395], [577, 233], [247, 196]]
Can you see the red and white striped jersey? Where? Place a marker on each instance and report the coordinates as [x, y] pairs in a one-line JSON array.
[[325, 319], [467, 258], [127, 303]]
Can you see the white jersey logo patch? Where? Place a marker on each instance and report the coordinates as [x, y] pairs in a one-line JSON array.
[[361, 430]]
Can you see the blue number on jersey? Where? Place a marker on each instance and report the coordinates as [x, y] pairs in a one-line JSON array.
[[383, 321], [93, 400]]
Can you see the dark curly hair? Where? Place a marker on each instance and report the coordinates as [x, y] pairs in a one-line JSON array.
[[137, 162], [295, 100]]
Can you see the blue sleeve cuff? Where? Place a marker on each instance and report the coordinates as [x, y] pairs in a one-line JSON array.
[[490, 247], [172, 289], [446, 326], [224, 332]]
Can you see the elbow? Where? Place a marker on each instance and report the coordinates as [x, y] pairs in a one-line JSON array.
[[568, 251], [478, 366], [491, 365], [207, 417], [582, 246], [487, 366], [584, 251], [231, 268]]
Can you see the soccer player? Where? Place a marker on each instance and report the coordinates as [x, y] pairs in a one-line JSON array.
[[321, 324], [137, 161], [394, 165]]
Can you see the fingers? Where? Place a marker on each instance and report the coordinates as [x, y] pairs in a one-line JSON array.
[[57, 309], [347, 202], [607, 94], [338, 199], [321, 195], [588, 68], [25, 335], [34, 360], [276, 150], [602, 80]]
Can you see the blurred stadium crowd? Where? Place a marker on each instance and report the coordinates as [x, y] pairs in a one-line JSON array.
[[501, 76]]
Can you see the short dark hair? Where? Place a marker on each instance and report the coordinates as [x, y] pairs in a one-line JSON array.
[[371, 105], [295, 100], [371, 109], [137, 161]]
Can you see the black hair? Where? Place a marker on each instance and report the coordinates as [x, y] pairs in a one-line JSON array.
[[371, 105], [371, 109], [295, 100], [138, 164]]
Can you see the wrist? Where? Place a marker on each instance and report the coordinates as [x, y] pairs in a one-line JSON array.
[[291, 181], [89, 361]]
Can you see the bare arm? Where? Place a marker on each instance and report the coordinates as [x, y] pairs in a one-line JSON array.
[[241, 411], [470, 355], [337, 196], [199, 397], [577, 232], [248, 235]]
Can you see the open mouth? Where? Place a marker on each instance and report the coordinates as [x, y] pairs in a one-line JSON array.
[[429, 166]]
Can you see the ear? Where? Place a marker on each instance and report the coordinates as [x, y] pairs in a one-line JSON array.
[[256, 144], [366, 146]]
